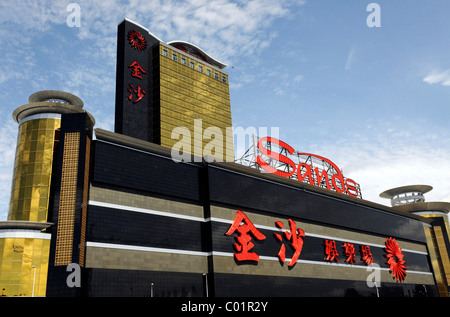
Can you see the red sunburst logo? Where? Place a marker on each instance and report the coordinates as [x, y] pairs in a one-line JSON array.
[[395, 259], [137, 40]]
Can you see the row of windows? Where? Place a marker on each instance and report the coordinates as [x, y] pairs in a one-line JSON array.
[[200, 68], [187, 75]]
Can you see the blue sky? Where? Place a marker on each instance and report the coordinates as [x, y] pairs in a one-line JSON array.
[[373, 100]]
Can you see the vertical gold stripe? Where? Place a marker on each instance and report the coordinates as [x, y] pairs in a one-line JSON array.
[[85, 203], [443, 251], [436, 261], [66, 216]]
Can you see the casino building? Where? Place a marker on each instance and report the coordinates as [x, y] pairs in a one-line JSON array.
[[99, 213]]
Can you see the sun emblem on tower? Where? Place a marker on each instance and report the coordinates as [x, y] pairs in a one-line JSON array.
[[137, 40], [395, 259]]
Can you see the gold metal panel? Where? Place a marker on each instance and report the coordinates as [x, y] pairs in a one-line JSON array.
[[32, 170], [443, 252], [188, 93], [66, 214], [23, 266], [436, 262], [85, 203]]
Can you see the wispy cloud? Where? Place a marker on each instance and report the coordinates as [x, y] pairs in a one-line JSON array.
[[350, 59], [441, 77]]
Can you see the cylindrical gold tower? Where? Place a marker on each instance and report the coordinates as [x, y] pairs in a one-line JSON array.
[[24, 244], [38, 124]]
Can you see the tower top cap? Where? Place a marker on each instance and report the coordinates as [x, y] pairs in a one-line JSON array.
[[390, 193], [56, 96]]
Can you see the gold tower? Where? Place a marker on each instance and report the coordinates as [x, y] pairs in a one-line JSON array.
[[24, 242], [194, 93], [172, 94]]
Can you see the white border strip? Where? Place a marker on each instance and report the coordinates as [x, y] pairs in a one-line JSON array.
[[145, 211], [180, 216], [41, 116], [227, 254], [27, 234], [145, 249]]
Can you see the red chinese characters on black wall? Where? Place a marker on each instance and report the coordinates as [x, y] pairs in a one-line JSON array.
[[138, 42], [245, 231]]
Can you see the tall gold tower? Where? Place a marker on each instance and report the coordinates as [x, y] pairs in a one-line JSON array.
[[24, 242], [194, 94], [172, 94]]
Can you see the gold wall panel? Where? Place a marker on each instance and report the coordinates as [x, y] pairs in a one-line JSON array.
[[30, 188], [188, 93], [66, 214], [436, 261], [24, 265]]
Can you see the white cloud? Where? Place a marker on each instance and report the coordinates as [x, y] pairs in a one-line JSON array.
[[441, 77], [380, 159], [223, 28]]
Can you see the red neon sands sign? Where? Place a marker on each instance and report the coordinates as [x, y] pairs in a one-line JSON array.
[[303, 170]]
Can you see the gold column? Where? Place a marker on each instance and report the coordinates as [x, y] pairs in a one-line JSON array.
[[24, 244], [33, 170]]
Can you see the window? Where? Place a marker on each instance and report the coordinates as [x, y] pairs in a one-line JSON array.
[[165, 52], [174, 57], [192, 64], [200, 68], [216, 76], [208, 72], [224, 79], [183, 60]]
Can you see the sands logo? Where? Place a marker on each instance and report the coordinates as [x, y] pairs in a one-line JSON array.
[[328, 176]]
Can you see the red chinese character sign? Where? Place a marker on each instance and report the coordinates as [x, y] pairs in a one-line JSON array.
[[349, 250], [134, 115], [136, 93], [246, 231], [244, 228], [366, 255], [137, 70], [295, 237], [331, 253], [395, 260]]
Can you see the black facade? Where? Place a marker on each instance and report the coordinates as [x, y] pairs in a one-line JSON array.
[[57, 272], [136, 119], [137, 171]]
